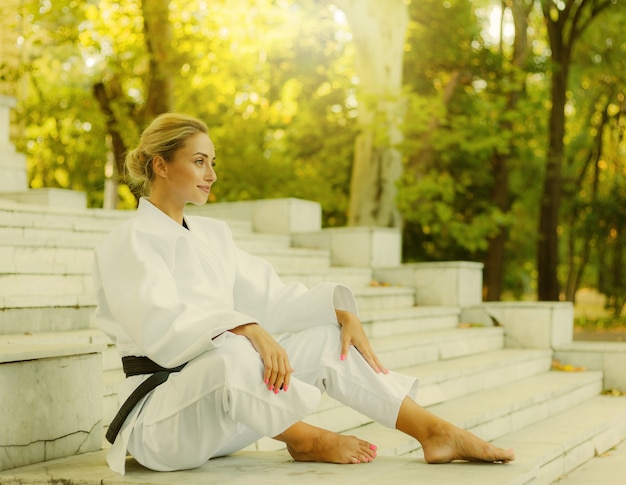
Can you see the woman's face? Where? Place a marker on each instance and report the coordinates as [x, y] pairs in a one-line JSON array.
[[191, 173]]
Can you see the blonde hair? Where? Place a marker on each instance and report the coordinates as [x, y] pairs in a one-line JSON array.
[[164, 136]]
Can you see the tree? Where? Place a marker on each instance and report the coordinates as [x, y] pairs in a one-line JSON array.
[[516, 74], [378, 29], [565, 21], [594, 176], [117, 107]]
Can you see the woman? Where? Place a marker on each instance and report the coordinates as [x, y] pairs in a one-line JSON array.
[[219, 352]]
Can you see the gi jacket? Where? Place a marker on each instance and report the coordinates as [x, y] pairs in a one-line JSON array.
[[169, 293]]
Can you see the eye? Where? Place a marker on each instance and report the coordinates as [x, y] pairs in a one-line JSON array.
[[199, 161]]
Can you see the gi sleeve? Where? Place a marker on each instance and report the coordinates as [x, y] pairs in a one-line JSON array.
[[284, 307]]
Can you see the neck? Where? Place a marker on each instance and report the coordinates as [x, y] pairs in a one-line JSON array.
[[168, 207]]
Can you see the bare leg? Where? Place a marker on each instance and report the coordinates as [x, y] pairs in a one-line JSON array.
[[310, 443], [443, 442]]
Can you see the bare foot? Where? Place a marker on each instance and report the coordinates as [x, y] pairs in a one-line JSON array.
[[309, 443], [452, 443], [444, 442]]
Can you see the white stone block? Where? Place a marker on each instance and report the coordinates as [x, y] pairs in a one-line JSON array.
[[534, 324], [286, 216], [365, 247], [51, 402], [450, 283], [277, 216], [608, 357], [49, 197], [240, 211]]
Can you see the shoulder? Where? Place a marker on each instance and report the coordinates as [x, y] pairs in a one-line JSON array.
[[208, 224]]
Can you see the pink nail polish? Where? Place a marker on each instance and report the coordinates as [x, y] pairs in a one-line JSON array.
[[266, 381], [276, 391], [343, 356], [285, 388], [373, 447], [271, 388]]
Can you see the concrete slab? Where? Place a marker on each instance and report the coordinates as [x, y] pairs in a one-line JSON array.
[[609, 468], [253, 467]]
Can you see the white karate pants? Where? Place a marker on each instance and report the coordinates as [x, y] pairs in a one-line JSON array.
[[218, 403]]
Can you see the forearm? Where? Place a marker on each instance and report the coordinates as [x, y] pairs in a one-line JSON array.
[[344, 317], [246, 330]]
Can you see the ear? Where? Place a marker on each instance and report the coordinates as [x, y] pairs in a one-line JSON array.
[[159, 166]]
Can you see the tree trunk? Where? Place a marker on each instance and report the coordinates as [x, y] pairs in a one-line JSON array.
[[565, 23], [158, 86], [378, 29], [579, 257], [547, 246], [158, 39], [494, 259], [105, 95]]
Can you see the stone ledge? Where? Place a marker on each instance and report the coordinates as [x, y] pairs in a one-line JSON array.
[[533, 324], [50, 197], [10, 353], [278, 216], [447, 283], [51, 401], [363, 247], [608, 357]]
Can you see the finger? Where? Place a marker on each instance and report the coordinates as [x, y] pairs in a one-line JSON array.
[[380, 365], [280, 377], [345, 346], [273, 374], [287, 379], [267, 373], [371, 359]]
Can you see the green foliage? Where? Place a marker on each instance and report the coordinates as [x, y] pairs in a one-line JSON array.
[[275, 88], [274, 80], [446, 194]]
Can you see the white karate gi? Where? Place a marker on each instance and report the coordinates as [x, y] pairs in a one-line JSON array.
[[171, 294]]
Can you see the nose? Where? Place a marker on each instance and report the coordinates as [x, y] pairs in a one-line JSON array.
[[209, 173]]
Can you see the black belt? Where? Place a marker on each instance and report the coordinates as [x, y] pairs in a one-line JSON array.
[[134, 366]]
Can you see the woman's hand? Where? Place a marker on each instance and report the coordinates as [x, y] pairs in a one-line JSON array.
[[352, 333], [277, 373]]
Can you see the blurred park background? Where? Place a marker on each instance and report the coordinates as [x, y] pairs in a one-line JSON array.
[[488, 130]]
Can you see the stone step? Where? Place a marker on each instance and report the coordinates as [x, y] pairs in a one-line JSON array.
[[402, 351], [546, 450], [608, 466], [65, 279], [31, 259], [383, 298], [50, 401], [35, 220], [45, 285], [22, 317], [89, 237], [399, 321], [351, 277], [442, 381], [75, 258], [37, 216], [494, 413], [533, 464], [41, 303]]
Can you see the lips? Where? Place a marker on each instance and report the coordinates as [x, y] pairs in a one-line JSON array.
[[205, 188]]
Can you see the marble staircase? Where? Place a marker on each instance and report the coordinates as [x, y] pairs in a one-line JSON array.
[[485, 367]]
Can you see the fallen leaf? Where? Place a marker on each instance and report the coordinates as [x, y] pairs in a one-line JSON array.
[[556, 365]]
